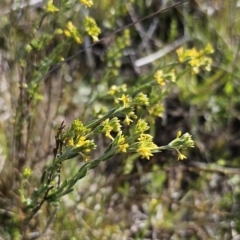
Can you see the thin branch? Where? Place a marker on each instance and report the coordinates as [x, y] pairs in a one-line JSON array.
[[50, 220], [212, 168], [162, 52], [138, 26]]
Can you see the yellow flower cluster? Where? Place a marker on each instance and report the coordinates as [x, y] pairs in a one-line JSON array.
[[140, 99], [87, 3], [138, 142], [79, 128], [196, 59], [129, 116], [77, 139], [91, 28], [50, 8], [156, 109], [182, 142], [121, 143], [162, 77], [125, 99], [159, 77], [141, 126], [146, 146], [72, 32], [27, 172], [114, 90], [111, 125]]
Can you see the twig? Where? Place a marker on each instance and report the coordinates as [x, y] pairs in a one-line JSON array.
[[162, 52], [32, 235], [138, 26], [150, 31], [34, 212], [212, 168], [50, 220]]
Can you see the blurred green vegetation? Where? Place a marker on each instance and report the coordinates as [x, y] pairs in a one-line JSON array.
[[46, 77]]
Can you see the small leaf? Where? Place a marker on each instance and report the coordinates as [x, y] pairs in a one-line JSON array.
[[82, 173], [94, 164], [43, 177], [71, 155], [65, 183], [109, 147], [66, 192]]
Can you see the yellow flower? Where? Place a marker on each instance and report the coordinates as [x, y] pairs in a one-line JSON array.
[[87, 3], [122, 147], [67, 33], [141, 126], [181, 156], [145, 137], [159, 77], [208, 63], [193, 53], [27, 172], [78, 39], [107, 128], [172, 76], [86, 158], [81, 141], [123, 87], [70, 26], [145, 152], [156, 109], [91, 28], [71, 31], [141, 99], [121, 139], [70, 142], [209, 49], [58, 31], [179, 133], [113, 90], [181, 55], [125, 99], [95, 38], [120, 143], [196, 59], [50, 8], [127, 120]]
